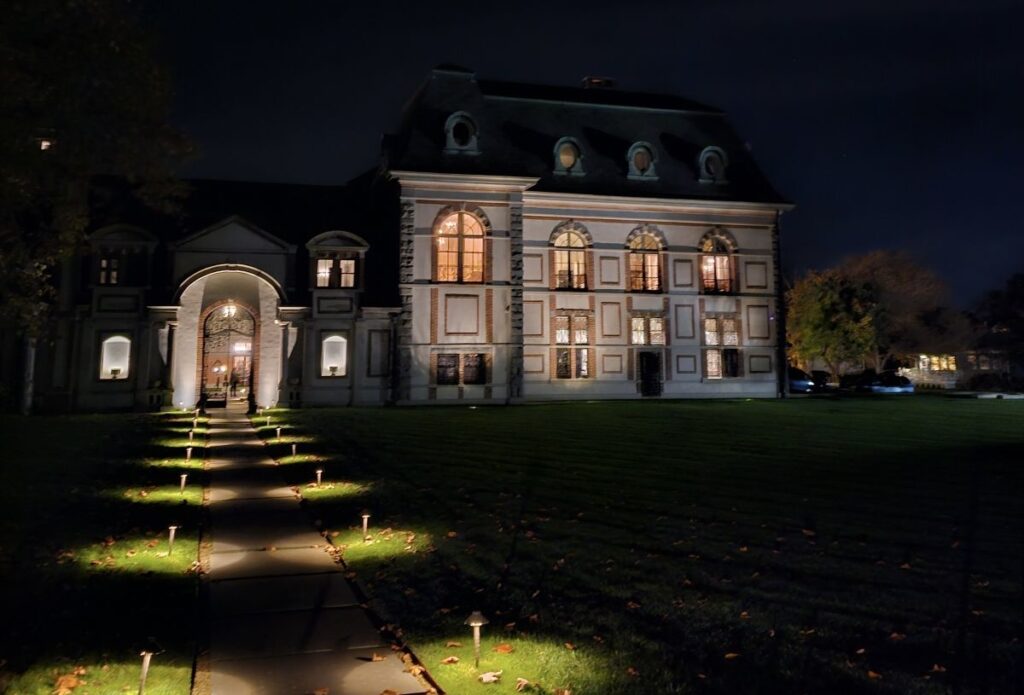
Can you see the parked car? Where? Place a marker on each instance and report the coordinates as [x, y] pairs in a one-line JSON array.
[[800, 381], [821, 380], [870, 382]]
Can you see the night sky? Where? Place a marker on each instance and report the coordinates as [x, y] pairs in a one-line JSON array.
[[890, 124]]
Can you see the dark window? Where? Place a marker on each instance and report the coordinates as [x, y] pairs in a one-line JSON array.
[[563, 366], [462, 133], [582, 363], [108, 271], [447, 369], [473, 369], [730, 363]]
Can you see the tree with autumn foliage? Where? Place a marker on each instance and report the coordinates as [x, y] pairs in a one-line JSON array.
[[83, 96], [829, 318]]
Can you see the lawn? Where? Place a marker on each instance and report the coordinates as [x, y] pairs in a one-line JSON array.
[[850, 545], [85, 580]]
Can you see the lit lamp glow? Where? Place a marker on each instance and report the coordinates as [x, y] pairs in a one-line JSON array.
[[188, 453], [268, 421], [366, 525], [278, 434], [191, 435], [476, 620], [183, 477], [319, 476], [295, 448]]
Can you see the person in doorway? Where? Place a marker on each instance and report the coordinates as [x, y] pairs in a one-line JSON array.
[[234, 383]]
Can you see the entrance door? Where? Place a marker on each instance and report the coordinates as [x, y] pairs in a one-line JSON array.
[[227, 354], [650, 374]]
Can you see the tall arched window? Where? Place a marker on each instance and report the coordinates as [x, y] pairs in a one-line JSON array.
[[460, 249], [716, 266], [570, 261], [645, 264], [115, 354]]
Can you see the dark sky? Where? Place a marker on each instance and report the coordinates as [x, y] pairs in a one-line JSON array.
[[890, 124]]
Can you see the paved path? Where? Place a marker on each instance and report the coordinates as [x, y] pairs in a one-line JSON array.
[[283, 618]]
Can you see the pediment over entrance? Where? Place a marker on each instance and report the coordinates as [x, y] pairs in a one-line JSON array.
[[234, 234]]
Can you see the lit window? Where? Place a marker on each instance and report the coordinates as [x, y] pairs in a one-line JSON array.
[[714, 364], [333, 356], [572, 361], [570, 261], [644, 264], [721, 364], [323, 272], [115, 353], [648, 330], [108, 271], [447, 370], [721, 331], [568, 159], [460, 249], [716, 265], [347, 272]]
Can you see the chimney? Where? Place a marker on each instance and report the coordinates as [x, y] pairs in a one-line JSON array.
[[592, 82]]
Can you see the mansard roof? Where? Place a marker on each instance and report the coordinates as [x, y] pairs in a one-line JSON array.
[[518, 127]]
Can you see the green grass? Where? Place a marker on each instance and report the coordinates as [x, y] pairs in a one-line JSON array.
[[86, 580], [686, 547]]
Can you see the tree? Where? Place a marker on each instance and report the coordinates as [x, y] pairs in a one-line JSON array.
[[830, 317], [1002, 312], [909, 313], [82, 97]]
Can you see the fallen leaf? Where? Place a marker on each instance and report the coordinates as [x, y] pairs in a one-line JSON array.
[[562, 691], [376, 657], [570, 646], [632, 605], [324, 691], [938, 668], [861, 651], [520, 684], [67, 683], [490, 677], [731, 655], [808, 532], [897, 637], [632, 672], [453, 645], [874, 676], [504, 648], [744, 615], [450, 660]]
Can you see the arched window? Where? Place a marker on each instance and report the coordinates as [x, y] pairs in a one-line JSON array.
[[716, 266], [645, 264], [712, 164], [460, 134], [570, 261], [115, 355], [568, 158], [460, 249], [333, 355], [641, 161]]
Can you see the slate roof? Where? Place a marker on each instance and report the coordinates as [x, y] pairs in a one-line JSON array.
[[519, 125]]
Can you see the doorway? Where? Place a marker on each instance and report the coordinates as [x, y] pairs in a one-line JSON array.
[[227, 369], [650, 374]]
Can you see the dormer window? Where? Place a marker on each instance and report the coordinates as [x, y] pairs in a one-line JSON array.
[[108, 271], [712, 165], [460, 134], [568, 159], [641, 161], [335, 272], [323, 272], [346, 272]]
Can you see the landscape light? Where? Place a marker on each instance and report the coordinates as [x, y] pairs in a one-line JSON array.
[[195, 421], [476, 620], [268, 421], [146, 657], [184, 477], [319, 476], [366, 525], [278, 434], [191, 435], [188, 453], [294, 449], [170, 539]]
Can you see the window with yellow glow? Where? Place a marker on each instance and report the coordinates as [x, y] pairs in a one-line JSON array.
[[716, 266], [648, 330], [645, 264], [323, 272], [570, 261], [460, 249], [572, 362], [347, 272]]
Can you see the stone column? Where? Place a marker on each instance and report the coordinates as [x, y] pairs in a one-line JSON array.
[[515, 358], [406, 253]]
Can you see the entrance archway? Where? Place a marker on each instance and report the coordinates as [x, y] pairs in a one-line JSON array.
[[227, 368]]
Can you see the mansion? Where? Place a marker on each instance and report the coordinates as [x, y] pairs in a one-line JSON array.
[[516, 242]]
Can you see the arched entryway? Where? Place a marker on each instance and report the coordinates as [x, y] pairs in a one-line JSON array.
[[228, 341], [227, 320]]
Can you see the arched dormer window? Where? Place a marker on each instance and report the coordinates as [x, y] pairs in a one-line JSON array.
[[645, 263], [641, 161], [716, 263], [459, 245], [460, 134], [568, 157], [569, 244], [712, 164]]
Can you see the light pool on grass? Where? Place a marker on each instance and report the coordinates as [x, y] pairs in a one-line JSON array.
[[142, 552], [103, 677]]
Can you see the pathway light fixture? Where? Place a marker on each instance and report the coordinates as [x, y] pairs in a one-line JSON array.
[[366, 525], [171, 530], [319, 476], [476, 620], [184, 477]]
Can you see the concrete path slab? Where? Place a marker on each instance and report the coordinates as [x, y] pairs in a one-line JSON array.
[[350, 673], [291, 593], [284, 620], [294, 632]]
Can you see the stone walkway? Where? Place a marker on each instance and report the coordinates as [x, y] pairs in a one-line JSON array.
[[283, 618]]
